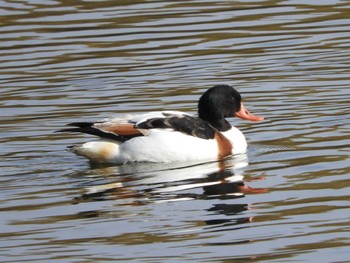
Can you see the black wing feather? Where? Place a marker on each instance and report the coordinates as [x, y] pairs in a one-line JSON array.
[[186, 124], [87, 127]]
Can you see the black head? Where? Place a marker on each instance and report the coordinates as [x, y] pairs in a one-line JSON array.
[[218, 103]]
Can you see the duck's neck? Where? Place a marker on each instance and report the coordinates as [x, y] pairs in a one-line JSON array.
[[219, 124]]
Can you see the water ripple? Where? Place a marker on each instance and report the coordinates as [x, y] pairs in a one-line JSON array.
[[87, 60]]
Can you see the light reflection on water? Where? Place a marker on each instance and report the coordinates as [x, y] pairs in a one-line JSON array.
[[88, 60]]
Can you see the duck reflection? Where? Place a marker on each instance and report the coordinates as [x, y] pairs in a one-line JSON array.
[[139, 184], [144, 184]]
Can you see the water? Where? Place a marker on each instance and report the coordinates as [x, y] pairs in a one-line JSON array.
[[287, 200]]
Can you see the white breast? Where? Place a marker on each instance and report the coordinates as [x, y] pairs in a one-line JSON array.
[[237, 139]]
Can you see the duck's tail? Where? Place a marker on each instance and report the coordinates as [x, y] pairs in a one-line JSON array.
[[97, 151], [87, 127]]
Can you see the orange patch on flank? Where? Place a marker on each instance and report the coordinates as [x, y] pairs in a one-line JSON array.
[[122, 129], [224, 145]]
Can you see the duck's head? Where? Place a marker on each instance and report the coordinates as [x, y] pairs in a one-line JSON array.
[[220, 102]]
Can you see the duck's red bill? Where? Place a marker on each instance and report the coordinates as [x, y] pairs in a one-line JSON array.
[[246, 115]]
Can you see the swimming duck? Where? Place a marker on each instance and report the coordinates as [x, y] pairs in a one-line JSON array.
[[168, 136]]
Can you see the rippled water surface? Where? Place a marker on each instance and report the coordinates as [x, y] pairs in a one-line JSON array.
[[287, 200]]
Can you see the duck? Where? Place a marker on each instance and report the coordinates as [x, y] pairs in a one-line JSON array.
[[169, 136]]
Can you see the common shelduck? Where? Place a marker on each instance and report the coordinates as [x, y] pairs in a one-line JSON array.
[[168, 136]]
